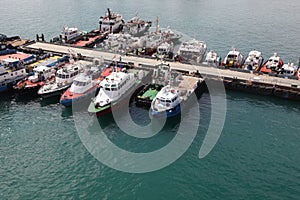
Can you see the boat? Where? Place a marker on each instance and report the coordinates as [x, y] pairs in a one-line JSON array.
[[171, 35], [272, 65], [150, 43], [212, 59], [164, 50], [68, 34], [147, 94], [298, 73], [82, 86], [253, 61], [288, 70], [63, 79], [166, 102], [33, 83], [234, 59], [111, 22], [113, 91], [11, 71], [85, 84], [137, 27], [170, 100], [191, 51]]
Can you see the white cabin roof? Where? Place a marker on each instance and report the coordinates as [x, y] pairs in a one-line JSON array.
[[167, 93], [234, 52], [254, 53], [83, 78], [114, 78], [41, 68]]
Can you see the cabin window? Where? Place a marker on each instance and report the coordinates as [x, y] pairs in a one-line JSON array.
[[67, 76]]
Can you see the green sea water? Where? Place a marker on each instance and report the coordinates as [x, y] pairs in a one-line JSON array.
[[256, 156]]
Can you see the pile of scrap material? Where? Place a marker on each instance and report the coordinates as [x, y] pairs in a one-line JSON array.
[[12, 42]]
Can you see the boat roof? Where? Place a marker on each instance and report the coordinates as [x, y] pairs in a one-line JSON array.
[[68, 69], [114, 77], [288, 66], [254, 53], [10, 60], [41, 68], [167, 93], [234, 52], [192, 45], [67, 29], [274, 58], [18, 55], [83, 78]]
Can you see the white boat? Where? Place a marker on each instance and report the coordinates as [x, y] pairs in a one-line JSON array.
[[11, 71], [166, 102], [111, 22], [68, 34], [83, 86], [212, 59], [253, 61], [63, 79], [288, 70], [113, 88], [234, 58], [192, 51], [170, 34], [137, 27], [164, 50], [170, 100]]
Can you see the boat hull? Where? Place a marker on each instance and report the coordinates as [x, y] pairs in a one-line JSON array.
[[57, 92], [67, 102], [167, 113]]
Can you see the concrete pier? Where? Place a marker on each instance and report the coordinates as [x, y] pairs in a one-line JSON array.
[[231, 78]]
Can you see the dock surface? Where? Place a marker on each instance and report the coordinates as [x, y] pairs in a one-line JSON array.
[[203, 70]]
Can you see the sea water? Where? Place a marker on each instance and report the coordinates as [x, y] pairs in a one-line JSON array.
[[256, 157]]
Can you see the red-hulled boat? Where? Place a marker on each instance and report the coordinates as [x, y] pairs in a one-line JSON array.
[[84, 86], [33, 83], [273, 65]]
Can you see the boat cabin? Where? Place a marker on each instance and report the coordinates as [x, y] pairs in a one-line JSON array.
[[41, 73], [81, 84], [273, 62], [233, 59], [288, 70], [111, 22], [167, 98], [68, 34]]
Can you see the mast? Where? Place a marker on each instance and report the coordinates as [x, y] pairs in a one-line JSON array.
[[109, 13], [156, 21]]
